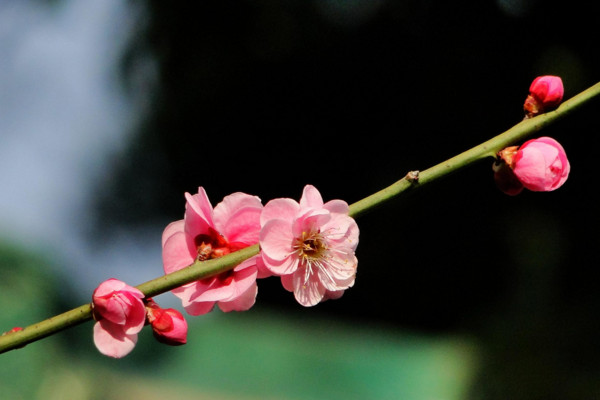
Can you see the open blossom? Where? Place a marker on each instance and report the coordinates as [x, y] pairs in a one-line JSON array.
[[311, 245], [120, 314], [545, 94], [168, 325], [539, 165], [205, 233]]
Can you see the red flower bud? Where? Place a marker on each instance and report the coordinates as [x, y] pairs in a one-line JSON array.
[[545, 94], [168, 325]]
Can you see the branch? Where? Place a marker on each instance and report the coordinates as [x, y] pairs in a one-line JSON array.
[[413, 180]]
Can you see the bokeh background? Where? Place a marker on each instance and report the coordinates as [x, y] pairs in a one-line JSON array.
[[110, 111]]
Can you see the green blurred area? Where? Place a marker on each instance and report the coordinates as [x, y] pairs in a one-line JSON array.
[[259, 354]]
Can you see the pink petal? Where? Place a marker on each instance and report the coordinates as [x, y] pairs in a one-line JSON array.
[[109, 286], [279, 267], [286, 209], [177, 252], [340, 272], [209, 290], [198, 213], [111, 341], [224, 211], [242, 302], [263, 271], [185, 292], [287, 281], [341, 229], [171, 229], [276, 239], [337, 206], [307, 293], [530, 169], [242, 227], [311, 198], [196, 309], [244, 276], [311, 220], [136, 317]]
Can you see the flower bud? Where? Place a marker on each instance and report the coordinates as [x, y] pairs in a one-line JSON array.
[[120, 314], [545, 94], [168, 325], [540, 165]]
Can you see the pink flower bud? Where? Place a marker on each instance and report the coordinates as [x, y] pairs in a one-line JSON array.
[[540, 165], [545, 94], [121, 315], [168, 325]]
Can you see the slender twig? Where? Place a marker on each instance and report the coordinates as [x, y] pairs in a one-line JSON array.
[[413, 180]]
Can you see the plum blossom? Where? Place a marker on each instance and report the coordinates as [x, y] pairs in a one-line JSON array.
[[545, 94], [310, 245], [120, 314], [540, 165], [205, 233], [168, 325]]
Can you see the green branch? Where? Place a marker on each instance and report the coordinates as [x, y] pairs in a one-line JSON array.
[[413, 180]]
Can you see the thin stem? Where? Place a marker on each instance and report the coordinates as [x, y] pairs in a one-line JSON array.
[[487, 149], [204, 269]]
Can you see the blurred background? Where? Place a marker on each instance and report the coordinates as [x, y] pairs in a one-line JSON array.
[[110, 111]]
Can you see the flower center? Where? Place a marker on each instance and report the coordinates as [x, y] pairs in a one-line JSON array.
[[214, 245], [310, 246]]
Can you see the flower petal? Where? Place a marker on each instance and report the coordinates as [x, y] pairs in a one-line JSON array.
[[307, 292], [242, 302], [224, 211], [176, 253], [198, 213], [311, 198], [276, 240], [111, 340], [172, 228], [285, 209], [243, 226], [337, 206], [196, 308]]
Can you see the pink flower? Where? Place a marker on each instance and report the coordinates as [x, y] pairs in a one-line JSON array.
[[545, 94], [121, 315], [540, 165], [310, 245], [205, 233], [168, 325]]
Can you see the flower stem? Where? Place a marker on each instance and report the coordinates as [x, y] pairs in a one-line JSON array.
[[487, 149], [204, 269]]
